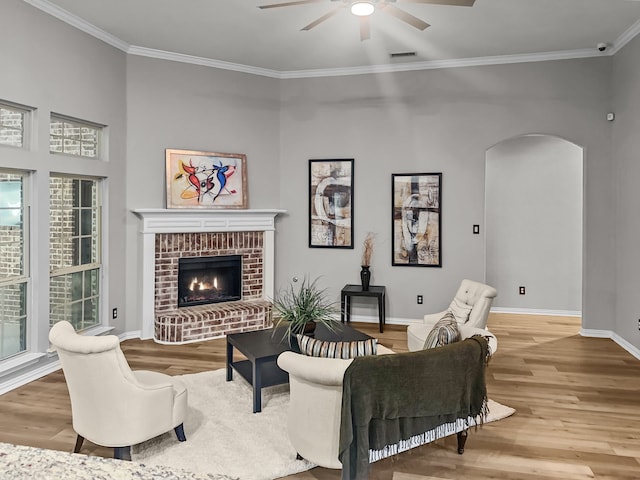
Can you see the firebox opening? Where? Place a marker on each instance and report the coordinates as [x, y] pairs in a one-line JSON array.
[[203, 280]]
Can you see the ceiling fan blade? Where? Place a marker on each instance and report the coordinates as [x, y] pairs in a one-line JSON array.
[[365, 30], [455, 3], [324, 17], [289, 4], [404, 16]]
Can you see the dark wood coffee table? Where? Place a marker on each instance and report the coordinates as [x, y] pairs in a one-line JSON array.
[[262, 347]]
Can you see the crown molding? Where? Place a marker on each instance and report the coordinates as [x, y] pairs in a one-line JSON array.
[[436, 64], [206, 62], [112, 40], [625, 38], [78, 23]]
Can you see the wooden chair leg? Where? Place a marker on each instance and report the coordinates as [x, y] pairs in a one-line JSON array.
[[180, 432], [462, 439], [122, 453], [78, 446]]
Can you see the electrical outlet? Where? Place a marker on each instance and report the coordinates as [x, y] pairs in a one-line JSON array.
[[522, 291], [114, 313], [419, 299]]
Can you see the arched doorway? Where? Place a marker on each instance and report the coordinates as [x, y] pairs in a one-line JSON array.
[[534, 202]]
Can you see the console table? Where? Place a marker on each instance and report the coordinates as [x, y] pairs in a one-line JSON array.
[[378, 291]]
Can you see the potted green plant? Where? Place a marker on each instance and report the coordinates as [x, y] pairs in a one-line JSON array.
[[298, 309]]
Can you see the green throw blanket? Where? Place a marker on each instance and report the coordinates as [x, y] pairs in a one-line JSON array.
[[390, 398]]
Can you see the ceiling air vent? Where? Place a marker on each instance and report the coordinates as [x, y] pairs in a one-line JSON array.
[[403, 54]]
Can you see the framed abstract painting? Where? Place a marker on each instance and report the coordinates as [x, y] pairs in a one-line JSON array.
[[416, 219], [331, 203], [206, 179]]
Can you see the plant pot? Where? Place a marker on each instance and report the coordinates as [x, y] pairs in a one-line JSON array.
[[365, 277], [309, 328]]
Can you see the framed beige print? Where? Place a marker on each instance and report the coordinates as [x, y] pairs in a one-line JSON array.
[[206, 179], [416, 219]]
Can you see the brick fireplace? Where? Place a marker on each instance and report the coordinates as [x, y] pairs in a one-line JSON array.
[[167, 235]]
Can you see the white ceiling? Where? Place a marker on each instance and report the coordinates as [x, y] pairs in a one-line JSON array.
[[236, 34]]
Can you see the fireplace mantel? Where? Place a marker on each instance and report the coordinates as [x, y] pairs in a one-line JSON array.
[[161, 221]]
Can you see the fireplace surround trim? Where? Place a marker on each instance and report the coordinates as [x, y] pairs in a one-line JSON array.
[[155, 221]]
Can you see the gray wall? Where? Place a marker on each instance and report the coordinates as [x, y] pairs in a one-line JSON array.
[[442, 121], [53, 67], [534, 223], [626, 145]]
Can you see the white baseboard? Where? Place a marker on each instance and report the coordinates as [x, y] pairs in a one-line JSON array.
[[387, 320], [130, 335], [537, 311], [29, 376], [589, 332]]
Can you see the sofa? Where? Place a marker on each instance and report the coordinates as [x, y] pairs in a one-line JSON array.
[[316, 406]]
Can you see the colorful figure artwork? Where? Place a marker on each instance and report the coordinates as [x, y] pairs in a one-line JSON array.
[[416, 219], [205, 180]]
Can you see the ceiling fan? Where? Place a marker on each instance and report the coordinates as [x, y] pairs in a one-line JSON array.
[[369, 6]]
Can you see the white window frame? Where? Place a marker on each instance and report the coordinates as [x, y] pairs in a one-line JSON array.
[[26, 118], [96, 265], [99, 132], [25, 277]]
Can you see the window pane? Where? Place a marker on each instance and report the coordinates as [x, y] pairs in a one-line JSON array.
[[86, 216], [74, 297], [11, 137], [55, 145], [72, 131], [11, 226], [11, 126], [72, 147], [56, 128], [87, 193], [85, 251], [13, 320], [74, 231], [73, 138]]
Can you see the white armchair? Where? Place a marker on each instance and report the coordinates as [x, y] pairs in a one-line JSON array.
[[470, 307], [111, 405], [316, 402]]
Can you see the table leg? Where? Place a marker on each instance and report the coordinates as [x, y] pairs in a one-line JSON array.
[[347, 312], [229, 361], [257, 386], [343, 298], [381, 312]]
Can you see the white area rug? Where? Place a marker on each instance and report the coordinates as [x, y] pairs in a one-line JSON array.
[[225, 437], [497, 411]]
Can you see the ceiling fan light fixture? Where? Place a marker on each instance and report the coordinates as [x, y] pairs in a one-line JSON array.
[[362, 8]]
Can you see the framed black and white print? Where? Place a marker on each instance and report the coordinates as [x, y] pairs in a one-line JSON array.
[[331, 203], [416, 219]]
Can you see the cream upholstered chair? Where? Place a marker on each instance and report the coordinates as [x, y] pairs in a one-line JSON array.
[[316, 403], [470, 307], [111, 405]]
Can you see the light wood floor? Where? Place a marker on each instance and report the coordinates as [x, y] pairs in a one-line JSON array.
[[577, 402]]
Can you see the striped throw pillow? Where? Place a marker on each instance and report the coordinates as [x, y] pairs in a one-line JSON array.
[[318, 348], [443, 333]]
